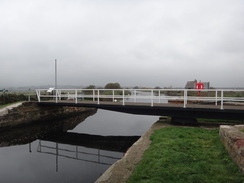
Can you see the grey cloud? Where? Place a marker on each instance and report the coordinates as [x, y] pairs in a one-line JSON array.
[[150, 43]]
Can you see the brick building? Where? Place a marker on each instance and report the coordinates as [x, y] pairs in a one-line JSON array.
[[192, 84]]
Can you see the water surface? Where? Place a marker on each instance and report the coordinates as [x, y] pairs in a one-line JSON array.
[[41, 155]]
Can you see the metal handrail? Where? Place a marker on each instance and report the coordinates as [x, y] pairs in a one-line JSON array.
[[152, 96]]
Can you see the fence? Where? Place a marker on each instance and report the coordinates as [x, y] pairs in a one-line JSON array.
[[212, 96]]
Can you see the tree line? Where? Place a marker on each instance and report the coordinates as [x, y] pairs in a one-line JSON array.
[[7, 98]]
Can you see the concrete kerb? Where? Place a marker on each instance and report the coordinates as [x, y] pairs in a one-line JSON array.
[[123, 168]]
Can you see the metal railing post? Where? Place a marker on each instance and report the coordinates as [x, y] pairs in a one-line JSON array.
[[38, 93], [123, 97], [151, 98], [185, 98], [134, 96], [98, 101], [159, 96], [56, 92], [59, 95], [216, 97], [113, 95], [93, 91], [222, 100], [76, 96]]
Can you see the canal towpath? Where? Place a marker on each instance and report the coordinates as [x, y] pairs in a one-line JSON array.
[[4, 110]]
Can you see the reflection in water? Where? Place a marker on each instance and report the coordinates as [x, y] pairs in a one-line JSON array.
[[90, 148], [109, 143], [96, 156], [77, 157], [28, 134]]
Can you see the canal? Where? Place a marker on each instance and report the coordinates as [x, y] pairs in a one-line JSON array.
[[78, 155]]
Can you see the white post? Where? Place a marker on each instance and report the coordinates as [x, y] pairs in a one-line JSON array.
[[185, 98], [59, 94], [56, 92], [216, 97], [222, 100], [151, 98], [134, 96], [93, 95], [38, 93], [98, 102], [113, 95], [123, 97], [76, 96], [159, 96]]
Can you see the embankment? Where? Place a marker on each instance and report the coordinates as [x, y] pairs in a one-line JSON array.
[[31, 112], [231, 136]]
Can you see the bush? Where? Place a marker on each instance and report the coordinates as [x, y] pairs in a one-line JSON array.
[[7, 98]]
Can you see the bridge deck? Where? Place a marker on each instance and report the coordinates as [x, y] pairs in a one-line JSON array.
[[227, 106], [230, 111]]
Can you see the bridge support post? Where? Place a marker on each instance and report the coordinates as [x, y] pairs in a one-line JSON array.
[[159, 96], [98, 101], [216, 97], [222, 100], [56, 93], [134, 96], [93, 92], [123, 97], [151, 98], [185, 98], [38, 93], [113, 96]]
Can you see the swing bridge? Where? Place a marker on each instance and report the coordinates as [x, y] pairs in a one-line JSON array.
[[185, 103]]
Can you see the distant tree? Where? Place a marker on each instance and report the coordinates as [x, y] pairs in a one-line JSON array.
[[112, 86], [7, 98], [157, 87], [91, 87]]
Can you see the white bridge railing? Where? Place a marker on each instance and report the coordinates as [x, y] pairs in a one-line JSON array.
[[153, 96]]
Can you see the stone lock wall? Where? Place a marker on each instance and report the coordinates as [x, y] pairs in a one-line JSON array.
[[233, 140], [30, 112]]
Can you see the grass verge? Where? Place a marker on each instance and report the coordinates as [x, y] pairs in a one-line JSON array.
[[186, 155]]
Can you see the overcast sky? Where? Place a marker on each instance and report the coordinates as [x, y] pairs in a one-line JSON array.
[[133, 42]]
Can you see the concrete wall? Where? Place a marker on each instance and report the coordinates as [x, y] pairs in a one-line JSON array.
[[30, 112], [233, 139]]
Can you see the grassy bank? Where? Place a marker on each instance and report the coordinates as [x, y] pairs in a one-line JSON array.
[[5, 105], [186, 155]]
